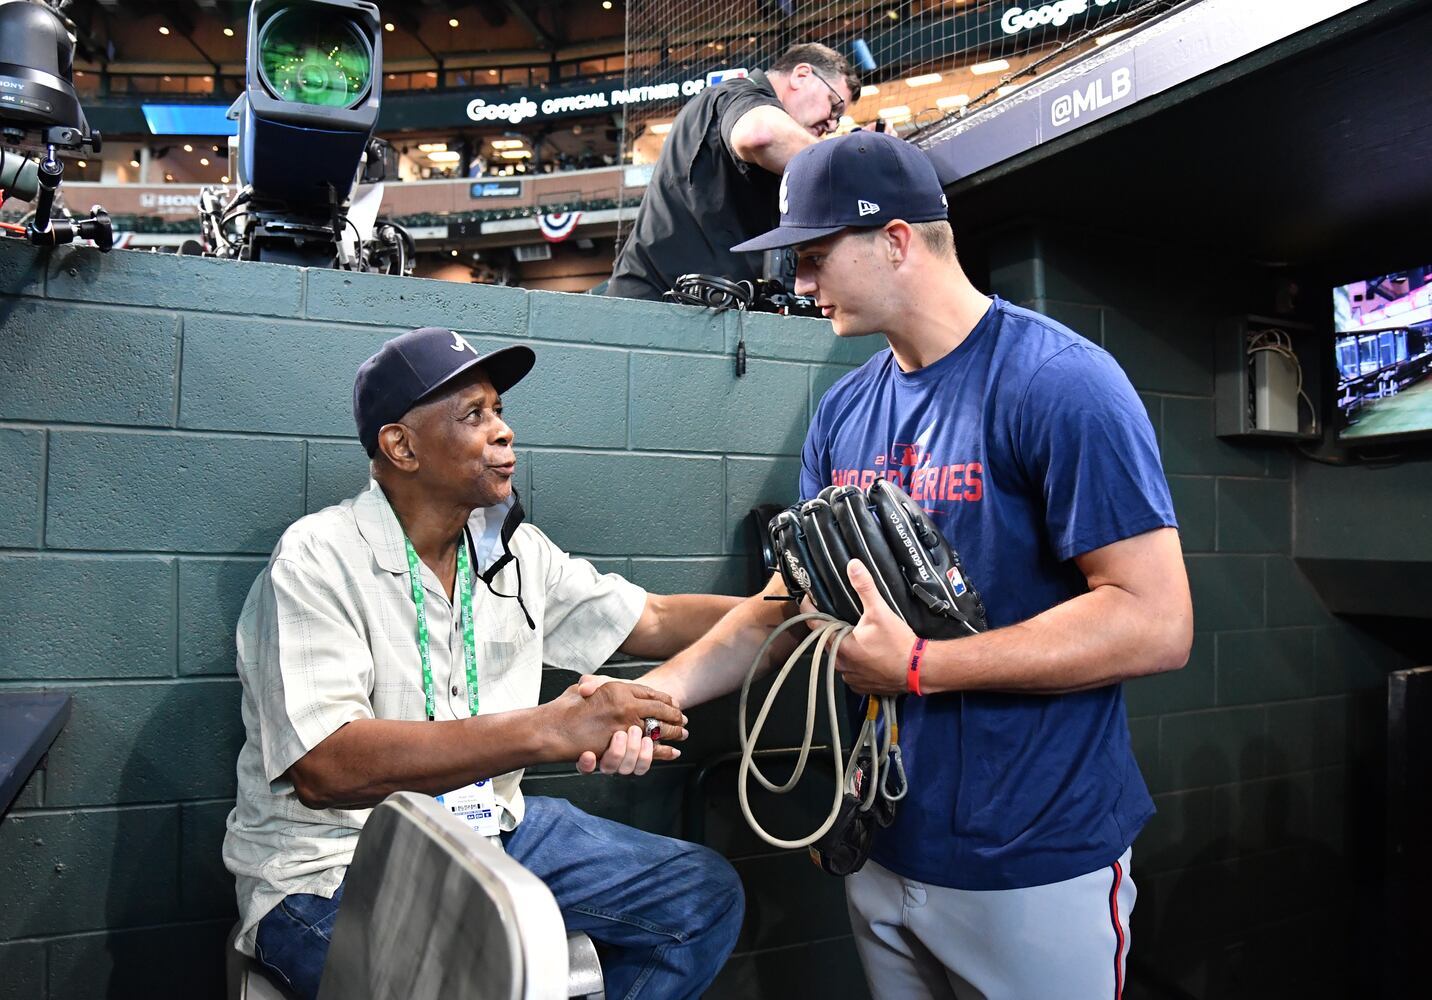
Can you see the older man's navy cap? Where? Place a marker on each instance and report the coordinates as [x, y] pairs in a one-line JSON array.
[[862, 179], [413, 366]]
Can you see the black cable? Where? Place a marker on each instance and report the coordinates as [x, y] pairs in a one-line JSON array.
[[228, 214], [711, 291], [1312, 456], [357, 244]]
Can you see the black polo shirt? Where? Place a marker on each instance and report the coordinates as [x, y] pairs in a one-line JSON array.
[[701, 199]]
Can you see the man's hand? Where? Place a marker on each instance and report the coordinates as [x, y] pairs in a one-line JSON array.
[[629, 750], [590, 682], [874, 656], [585, 724]]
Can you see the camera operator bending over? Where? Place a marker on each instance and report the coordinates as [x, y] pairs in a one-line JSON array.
[[396, 642], [717, 179]]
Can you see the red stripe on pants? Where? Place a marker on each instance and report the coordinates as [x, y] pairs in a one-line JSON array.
[[1118, 932]]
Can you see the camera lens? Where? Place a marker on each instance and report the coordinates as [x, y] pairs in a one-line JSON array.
[[309, 59]]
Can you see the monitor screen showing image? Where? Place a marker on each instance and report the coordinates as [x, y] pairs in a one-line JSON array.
[[1382, 346]]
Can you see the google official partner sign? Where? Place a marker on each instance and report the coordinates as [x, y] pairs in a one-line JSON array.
[[519, 110]]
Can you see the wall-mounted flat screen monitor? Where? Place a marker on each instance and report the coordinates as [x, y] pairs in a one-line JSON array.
[[1382, 346]]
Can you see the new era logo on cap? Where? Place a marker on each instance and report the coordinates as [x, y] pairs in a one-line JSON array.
[[862, 179]]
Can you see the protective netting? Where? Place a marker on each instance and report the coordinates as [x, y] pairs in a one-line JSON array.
[[921, 60]]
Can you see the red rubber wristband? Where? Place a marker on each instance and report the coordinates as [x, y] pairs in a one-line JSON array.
[[912, 676]]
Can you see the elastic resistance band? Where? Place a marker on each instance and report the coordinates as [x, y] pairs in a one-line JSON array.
[[824, 641]]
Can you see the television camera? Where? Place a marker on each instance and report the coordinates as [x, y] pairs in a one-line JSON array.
[[313, 82]]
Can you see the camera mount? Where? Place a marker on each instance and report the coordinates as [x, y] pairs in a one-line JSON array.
[[40, 114]]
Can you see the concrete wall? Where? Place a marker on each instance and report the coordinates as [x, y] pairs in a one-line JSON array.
[[162, 419], [1379, 512], [1265, 753]]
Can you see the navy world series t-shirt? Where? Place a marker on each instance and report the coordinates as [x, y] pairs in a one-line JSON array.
[[1028, 447]]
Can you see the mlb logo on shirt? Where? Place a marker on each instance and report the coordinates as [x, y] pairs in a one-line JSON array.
[[907, 453], [719, 76]]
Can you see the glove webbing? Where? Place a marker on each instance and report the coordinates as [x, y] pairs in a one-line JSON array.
[[826, 639]]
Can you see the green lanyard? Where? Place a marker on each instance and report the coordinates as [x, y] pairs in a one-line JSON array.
[[464, 600]]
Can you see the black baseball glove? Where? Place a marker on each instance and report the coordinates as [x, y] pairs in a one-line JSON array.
[[917, 572]]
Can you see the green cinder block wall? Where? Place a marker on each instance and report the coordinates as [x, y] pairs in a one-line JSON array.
[[163, 418]]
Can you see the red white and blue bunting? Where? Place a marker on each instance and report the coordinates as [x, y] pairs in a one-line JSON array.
[[557, 226]]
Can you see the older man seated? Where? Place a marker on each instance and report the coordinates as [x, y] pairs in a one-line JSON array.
[[396, 641]]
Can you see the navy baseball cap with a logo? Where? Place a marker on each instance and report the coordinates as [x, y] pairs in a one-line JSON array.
[[411, 367], [862, 179]]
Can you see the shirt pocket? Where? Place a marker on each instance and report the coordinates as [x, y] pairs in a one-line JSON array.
[[509, 669]]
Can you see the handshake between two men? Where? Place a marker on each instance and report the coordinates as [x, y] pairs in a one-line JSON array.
[[594, 717]]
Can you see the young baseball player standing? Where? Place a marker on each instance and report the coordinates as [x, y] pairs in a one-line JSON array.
[[1007, 871]]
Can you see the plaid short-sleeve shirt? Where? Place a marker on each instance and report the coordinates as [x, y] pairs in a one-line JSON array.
[[328, 634]]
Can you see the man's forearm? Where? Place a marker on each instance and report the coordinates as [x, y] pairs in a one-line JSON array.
[[677, 621], [786, 142], [717, 662], [1097, 638], [368, 759], [768, 137]]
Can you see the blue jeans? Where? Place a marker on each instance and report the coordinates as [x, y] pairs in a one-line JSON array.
[[663, 913]]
